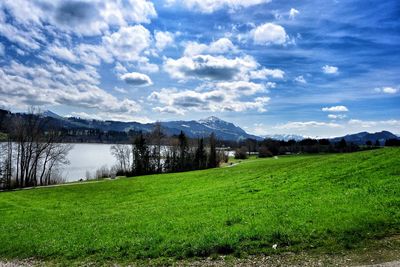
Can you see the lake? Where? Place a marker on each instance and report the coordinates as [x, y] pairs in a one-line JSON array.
[[87, 157]]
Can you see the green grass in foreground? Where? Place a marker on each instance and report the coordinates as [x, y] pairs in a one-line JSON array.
[[326, 202]]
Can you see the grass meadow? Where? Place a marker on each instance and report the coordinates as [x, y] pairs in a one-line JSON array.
[[323, 203]]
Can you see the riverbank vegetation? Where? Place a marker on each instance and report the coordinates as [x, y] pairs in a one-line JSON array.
[[320, 203]]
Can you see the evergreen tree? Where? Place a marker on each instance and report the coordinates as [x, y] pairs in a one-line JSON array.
[[201, 156], [212, 159], [141, 156], [183, 151]]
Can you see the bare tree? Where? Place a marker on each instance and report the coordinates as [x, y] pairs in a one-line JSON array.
[[123, 155], [35, 150], [156, 139]]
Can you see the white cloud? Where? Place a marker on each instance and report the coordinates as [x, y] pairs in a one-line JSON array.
[[239, 88], [210, 67], [221, 46], [109, 116], [62, 53], [387, 90], [293, 13], [56, 84], [80, 17], [163, 39], [2, 50], [296, 125], [335, 109], [93, 54], [136, 79], [300, 79], [330, 69], [24, 38], [336, 116], [372, 124], [120, 90], [269, 34], [128, 43], [215, 97], [322, 129], [209, 6], [264, 73]]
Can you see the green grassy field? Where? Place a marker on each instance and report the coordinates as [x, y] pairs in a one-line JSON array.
[[323, 203]]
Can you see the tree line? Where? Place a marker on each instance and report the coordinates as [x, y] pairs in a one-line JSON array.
[[156, 152], [270, 147], [30, 156]]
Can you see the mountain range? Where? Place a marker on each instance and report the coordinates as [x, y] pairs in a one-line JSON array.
[[200, 128], [222, 129], [362, 137]]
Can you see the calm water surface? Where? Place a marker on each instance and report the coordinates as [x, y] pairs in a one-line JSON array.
[[87, 157]]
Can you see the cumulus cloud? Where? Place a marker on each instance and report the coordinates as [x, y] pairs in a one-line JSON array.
[[93, 54], [221, 46], [222, 96], [293, 13], [163, 39], [307, 124], [128, 43], [330, 69], [265, 73], [209, 6], [321, 129], [56, 84], [300, 79], [269, 34], [386, 90], [390, 125], [109, 116], [62, 53], [80, 17], [336, 116], [335, 109], [136, 79], [209, 67]]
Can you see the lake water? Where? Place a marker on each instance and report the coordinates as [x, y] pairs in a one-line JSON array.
[[87, 157]]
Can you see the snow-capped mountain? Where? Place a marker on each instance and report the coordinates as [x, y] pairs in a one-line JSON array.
[[204, 127], [285, 137]]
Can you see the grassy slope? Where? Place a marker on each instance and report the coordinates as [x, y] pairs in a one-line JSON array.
[[328, 202]]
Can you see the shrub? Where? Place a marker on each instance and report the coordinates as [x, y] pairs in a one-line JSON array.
[[264, 152], [241, 153]]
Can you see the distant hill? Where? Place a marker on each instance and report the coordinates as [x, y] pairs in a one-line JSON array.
[[202, 128], [285, 137], [362, 137]]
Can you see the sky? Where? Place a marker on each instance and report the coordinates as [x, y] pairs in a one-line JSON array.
[[315, 68]]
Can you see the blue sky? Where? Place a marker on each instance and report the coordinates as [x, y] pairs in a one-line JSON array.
[[317, 68]]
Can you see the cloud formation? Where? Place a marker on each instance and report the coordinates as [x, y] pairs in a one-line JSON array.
[[269, 34], [330, 69], [221, 46], [209, 67], [56, 84], [136, 79], [386, 90], [128, 43], [335, 109], [80, 17], [210, 6], [215, 97]]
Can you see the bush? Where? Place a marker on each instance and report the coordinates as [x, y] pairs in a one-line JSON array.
[[241, 153], [264, 152]]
